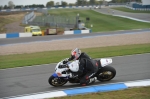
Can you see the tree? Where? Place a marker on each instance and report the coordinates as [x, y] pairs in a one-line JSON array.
[[92, 2], [84, 2], [64, 3], [18, 6], [57, 3], [97, 2], [41, 6], [11, 5], [118, 1], [71, 4], [79, 2], [5, 7], [1, 7], [26, 6], [123, 1], [34, 6], [101, 2], [50, 4]]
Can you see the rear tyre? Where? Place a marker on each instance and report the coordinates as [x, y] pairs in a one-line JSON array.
[[55, 81], [107, 73]]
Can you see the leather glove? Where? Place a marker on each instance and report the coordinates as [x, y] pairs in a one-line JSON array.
[[65, 60]]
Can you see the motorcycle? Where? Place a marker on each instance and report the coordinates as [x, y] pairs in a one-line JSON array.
[[63, 72]]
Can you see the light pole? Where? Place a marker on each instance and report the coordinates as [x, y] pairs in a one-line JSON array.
[[77, 21], [43, 21], [62, 3], [81, 2]]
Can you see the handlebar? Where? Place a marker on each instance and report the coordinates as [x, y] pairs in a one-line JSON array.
[[63, 66]]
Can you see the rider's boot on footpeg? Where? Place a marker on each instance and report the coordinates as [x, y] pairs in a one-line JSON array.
[[92, 80]]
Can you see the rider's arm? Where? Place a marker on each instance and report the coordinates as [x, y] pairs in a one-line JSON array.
[[79, 73], [81, 68], [71, 58], [68, 59]]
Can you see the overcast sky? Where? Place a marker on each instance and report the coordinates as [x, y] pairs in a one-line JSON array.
[[30, 2]]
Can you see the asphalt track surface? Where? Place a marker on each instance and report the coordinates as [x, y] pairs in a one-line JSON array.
[[34, 79], [109, 11], [27, 80], [23, 40]]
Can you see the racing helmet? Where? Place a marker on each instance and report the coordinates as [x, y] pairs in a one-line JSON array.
[[75, 53]]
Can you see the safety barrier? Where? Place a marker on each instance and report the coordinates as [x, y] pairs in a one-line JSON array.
[[15, 35], [77, 32]]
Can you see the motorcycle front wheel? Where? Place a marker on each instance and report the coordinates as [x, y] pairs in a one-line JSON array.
[[106, 73], [55, 81]]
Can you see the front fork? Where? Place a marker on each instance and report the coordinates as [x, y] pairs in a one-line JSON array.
[[59, 79]]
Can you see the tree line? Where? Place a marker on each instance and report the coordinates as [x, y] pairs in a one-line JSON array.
[[22, 6], [87, 2], [11, 5], [124, 1]]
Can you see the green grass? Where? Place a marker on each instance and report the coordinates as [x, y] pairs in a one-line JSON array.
[[132, 93], [19, 60], [6, 19], [102, 22], [129, 10], [3, 22]]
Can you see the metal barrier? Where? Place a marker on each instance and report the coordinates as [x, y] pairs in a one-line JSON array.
[[28, 17], [54, 21]]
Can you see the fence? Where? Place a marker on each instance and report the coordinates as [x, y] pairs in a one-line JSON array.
[[43, 10], [57, 21], [54, 21]]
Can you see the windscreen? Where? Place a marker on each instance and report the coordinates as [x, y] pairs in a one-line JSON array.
[[35, 30]]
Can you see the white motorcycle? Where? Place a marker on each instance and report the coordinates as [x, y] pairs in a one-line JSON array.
[[63, 72]]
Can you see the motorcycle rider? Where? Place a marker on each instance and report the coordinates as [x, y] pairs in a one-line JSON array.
[[87, 67]]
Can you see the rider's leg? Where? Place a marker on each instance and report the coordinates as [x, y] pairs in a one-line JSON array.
[[86, 80]]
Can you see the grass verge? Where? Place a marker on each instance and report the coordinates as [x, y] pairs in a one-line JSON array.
[[19, 60], [132, 93], [129, 10], [6, 19], [100, 21]]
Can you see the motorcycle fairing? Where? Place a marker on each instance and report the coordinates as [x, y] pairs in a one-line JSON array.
[[105, 61], [55, 75]]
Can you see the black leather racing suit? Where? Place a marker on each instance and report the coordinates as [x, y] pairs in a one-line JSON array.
[[87, 68]]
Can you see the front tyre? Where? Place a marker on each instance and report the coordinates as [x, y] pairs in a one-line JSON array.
[[55, 81], [107, 73]]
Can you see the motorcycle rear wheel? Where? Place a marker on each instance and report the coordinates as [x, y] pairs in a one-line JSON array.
[[107, 73], [54, 81]]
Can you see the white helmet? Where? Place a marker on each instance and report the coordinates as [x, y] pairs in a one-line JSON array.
[[75, 53]]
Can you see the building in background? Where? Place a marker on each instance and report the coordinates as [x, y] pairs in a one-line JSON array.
[[145, 2]]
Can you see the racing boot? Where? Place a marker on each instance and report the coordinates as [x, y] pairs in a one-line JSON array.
[[92, 80]]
